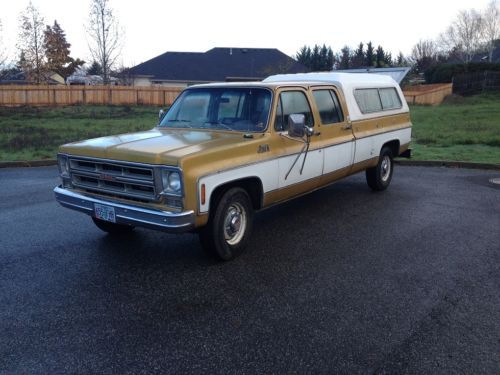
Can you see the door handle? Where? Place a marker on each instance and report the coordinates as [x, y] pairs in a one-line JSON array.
[[347, 127]]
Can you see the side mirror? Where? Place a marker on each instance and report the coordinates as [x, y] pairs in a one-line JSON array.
[[296, 125], [161, 113]]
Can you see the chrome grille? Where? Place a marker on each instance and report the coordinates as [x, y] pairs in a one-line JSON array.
[[115, 178]]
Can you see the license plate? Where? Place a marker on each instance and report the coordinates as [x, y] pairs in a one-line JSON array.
[[105, 213]]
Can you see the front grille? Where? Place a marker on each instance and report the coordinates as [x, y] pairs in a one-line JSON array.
[[114, 178]]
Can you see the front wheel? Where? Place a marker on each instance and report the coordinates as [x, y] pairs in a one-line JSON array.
[[229, 227], [379, 177]]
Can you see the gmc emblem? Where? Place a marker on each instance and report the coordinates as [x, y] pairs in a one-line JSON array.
[[106, 177]]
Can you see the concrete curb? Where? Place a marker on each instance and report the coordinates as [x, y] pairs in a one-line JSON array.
[[448, 164], [417, 163], [32, 163]]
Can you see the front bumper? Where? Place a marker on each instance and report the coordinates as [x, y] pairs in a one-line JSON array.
[[128, 214]]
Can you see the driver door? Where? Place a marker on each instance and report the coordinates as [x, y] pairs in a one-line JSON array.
[[299, 171]]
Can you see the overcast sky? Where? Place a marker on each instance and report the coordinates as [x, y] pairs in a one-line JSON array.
[[152, 27]]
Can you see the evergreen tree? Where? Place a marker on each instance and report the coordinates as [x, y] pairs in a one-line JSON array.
[[94, 69], [359, 56], [388, 59], [369, 55], [330, 59], [57, 51], [345, 58], [318, 58], [304, 56], [379, 57], [400, 60]]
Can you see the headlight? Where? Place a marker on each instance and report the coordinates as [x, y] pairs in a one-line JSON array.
[[171, 182], [63, 163]]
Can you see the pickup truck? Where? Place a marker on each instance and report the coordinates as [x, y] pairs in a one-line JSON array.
[[225, 150]]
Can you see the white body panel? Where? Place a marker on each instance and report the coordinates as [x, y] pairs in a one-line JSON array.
[[338, 157], [330, 159], [313, 167]]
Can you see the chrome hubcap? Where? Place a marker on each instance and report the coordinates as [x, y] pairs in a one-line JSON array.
[[234, 224], [385, 168]]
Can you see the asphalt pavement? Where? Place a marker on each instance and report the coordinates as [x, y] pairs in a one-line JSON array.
[[342, 280]]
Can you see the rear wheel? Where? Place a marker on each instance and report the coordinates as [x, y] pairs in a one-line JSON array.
[[112, 228], [229, 228], [380, 176]]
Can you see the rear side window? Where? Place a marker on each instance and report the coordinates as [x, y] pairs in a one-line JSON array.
[[328, 106], [377, 99], [291, 102], [368, 100], [390, 98]]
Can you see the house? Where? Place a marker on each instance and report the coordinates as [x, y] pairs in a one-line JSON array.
[[15, 76], [182, 69], [484, 56]]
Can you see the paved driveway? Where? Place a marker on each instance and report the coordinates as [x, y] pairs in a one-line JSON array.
[[342, 280]]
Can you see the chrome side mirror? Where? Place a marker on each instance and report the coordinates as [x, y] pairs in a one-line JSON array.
[[296, 125], [161, 113]]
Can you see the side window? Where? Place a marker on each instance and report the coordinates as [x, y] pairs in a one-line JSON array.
[[390, 98], [292, 102], [368, 100], [328, 106]]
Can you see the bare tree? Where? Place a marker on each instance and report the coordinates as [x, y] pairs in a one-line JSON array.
[[463, 36], [491, 27], [3, 49], [104, 33], [30, 43], [424, 54]]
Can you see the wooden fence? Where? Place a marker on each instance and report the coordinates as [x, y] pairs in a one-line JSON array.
[[476, 83], [55, 95], [427, 94]]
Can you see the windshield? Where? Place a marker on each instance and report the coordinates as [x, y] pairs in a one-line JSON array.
[[227, 108]]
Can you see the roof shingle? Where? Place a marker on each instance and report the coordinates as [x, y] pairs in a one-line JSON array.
[[218, 64]]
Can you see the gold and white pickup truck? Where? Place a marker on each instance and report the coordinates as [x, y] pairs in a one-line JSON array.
[[223, 151]]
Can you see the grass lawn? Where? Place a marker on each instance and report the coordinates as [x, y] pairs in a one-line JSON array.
[[463, 129], [35, 133]]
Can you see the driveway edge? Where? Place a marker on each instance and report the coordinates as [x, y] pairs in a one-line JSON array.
[[448, 164], [32, 163]]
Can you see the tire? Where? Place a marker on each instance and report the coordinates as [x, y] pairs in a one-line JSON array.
[[112, 228], [230, 225], [380, 176]]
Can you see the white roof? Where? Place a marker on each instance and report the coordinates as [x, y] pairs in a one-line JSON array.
[[348, 82]]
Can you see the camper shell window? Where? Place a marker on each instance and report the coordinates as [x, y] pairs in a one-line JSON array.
[[377, 99]]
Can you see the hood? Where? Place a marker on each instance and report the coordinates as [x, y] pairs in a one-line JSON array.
[[157, 146]]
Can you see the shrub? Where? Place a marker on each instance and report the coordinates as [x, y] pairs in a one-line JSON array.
[[444, 73]]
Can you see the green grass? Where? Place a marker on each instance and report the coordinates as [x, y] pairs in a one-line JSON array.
[[35, 133], [461, 129]]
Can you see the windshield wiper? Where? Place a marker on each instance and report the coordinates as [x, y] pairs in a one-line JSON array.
[[218, 123], [180, 120]]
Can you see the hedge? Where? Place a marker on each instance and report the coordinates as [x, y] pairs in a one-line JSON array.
[[444, 73]]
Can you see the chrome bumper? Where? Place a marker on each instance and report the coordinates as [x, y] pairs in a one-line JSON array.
[[128, 214]]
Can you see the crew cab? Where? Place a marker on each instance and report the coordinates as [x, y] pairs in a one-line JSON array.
[[223, 151]]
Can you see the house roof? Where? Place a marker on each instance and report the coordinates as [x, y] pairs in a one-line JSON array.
[[217, 65], [484, 56]]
